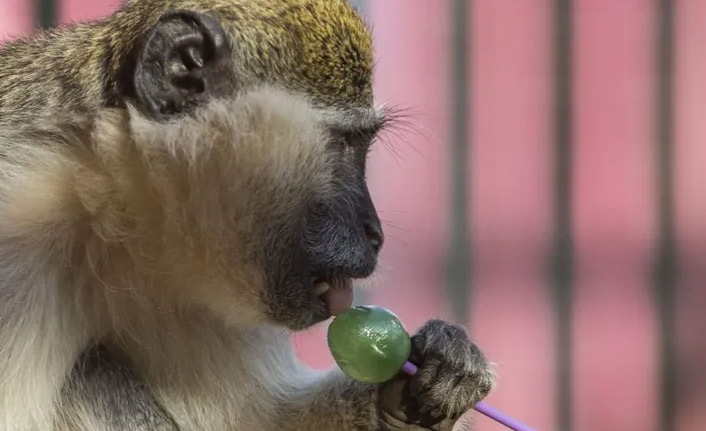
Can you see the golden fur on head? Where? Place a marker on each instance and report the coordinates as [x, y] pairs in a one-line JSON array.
[[320, 47]]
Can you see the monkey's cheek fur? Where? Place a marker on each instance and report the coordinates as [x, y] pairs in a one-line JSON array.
[[268, 149]]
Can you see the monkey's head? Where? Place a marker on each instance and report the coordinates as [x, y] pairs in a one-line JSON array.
[[251, 122]]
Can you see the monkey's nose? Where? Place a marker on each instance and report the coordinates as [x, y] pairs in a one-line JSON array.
[[373, 232]]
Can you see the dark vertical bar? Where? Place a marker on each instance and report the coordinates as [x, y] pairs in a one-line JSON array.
[[665, 259], [46, 13], [562, 259], [458, 257]]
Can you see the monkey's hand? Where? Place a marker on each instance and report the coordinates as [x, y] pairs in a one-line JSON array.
[[453, 376]]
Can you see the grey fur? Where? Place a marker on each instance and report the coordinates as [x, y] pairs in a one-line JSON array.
[[109, 395]]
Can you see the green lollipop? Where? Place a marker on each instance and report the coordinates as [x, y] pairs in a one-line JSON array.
[[369, 343]]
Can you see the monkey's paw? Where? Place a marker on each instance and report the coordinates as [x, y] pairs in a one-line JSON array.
[[453, 376]]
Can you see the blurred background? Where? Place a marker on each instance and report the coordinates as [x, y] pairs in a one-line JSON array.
[[545, 190]]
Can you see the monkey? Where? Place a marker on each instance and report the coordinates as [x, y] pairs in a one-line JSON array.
[[183, 188]]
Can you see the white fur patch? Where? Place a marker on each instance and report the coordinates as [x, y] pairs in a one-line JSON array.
[[102, 234]]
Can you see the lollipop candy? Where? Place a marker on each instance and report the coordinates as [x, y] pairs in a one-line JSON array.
[[370, 344]]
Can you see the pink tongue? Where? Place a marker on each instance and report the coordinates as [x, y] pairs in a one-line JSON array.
[[339, 299]]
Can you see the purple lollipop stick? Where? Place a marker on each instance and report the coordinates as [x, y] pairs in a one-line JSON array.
[[411, 369]]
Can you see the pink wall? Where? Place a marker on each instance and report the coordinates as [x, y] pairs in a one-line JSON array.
[[510, 197], [15, 18], [614, 208], [510, 192], [78, 10]]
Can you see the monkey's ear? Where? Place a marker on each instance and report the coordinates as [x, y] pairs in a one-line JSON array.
[[182, 62]]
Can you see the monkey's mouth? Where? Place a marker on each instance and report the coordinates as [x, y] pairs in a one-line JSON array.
[[336, 291]]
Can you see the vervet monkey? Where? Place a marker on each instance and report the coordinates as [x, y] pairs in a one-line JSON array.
[[182, 186]]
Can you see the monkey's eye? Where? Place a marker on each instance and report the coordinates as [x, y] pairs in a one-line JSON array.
[[358, 138]]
